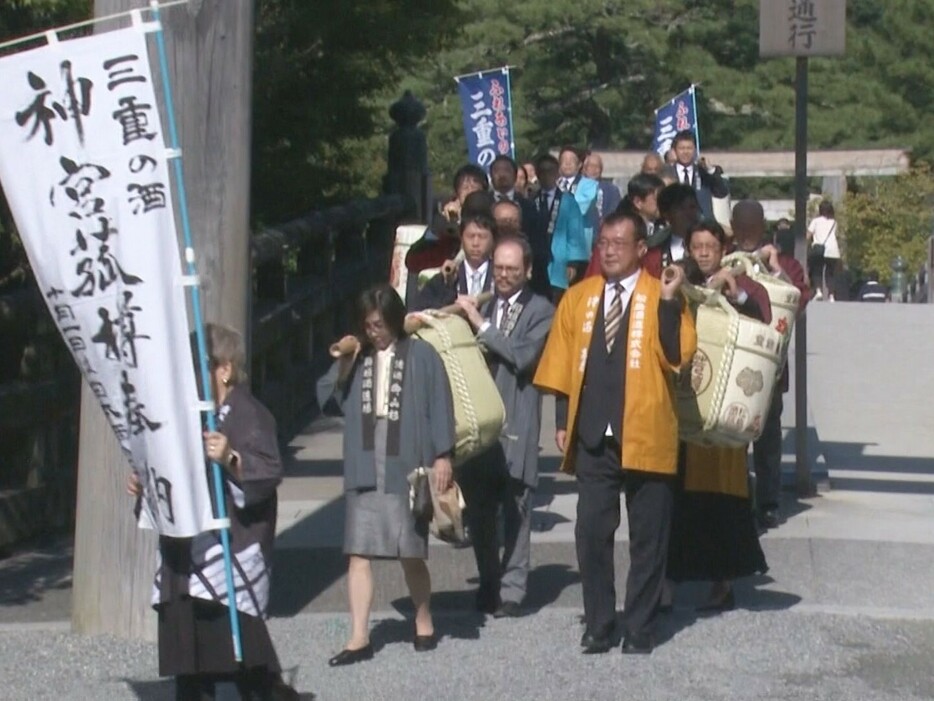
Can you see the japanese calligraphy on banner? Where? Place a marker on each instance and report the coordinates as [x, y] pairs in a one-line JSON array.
[[802, 27], [487, 110], [84, 167], [679, 114]]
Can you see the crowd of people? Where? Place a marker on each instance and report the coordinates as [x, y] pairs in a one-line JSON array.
[[584, 304]]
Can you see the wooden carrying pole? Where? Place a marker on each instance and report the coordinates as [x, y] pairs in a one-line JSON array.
[[210, 48], [349, 345]]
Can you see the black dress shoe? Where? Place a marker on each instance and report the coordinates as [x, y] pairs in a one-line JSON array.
[[487, 602], [727, 603], [508, 609], [425, 643], [637, 645], [593, 645], [346, 657]]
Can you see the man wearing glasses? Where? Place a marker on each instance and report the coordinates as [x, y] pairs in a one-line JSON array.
[[512, 329], [610, 359]]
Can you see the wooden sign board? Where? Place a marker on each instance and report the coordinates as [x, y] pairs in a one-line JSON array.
[[802, 27]]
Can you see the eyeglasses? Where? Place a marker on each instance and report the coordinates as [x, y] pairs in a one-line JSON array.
[[615, 244]]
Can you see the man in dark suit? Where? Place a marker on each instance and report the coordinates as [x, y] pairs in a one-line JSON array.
[[512, 329], [547, 203], [474, 275], [503, 173], [749, 233], [694, 173], [616, 340]]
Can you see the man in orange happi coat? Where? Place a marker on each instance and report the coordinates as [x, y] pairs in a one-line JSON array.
[[615, 344]]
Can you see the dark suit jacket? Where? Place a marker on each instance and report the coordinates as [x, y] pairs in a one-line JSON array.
[[707, 185], [436, 293], [529, 213]]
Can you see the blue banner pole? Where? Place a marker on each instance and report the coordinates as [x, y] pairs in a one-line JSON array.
[[696, 118], [512, 131], [199, 331]]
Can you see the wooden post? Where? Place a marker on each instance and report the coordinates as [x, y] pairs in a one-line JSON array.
[[210, 48]]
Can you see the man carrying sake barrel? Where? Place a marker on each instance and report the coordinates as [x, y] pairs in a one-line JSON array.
[[610, 358], [749, 233], [512, 329]]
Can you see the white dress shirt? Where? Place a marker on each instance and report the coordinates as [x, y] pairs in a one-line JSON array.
[[476, 277], [381, 384], [689, 170], [676, 246], [609, 292]]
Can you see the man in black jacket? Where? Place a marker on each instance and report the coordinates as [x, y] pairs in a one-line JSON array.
[[694, 172]]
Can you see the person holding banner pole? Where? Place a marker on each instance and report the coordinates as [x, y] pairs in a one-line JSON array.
[[190, 590], [693, 172]]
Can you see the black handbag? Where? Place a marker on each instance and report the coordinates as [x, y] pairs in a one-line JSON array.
[[817, 250], [420, 494]]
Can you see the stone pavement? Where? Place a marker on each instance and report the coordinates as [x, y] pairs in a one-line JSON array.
[[845, 612]]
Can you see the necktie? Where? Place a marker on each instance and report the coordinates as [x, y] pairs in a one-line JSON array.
[[474, 283], [686, 178], [613, 317], [501, 197], [503, 313]]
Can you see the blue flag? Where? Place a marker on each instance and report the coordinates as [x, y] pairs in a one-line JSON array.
[[487, 109], [677, 115]]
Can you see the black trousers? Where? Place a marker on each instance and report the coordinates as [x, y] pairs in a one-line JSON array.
[[767, 457], [600, 480], [489, 488]]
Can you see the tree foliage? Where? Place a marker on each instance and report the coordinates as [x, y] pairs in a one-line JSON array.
[[319, 131], [890, 217], [591, 72]]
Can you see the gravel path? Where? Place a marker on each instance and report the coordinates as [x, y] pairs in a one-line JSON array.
[[783, 656]]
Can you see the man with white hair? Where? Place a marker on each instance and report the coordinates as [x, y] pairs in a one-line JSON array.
[[608, 196]]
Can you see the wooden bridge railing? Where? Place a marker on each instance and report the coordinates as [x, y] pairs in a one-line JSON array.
[[307, 276]]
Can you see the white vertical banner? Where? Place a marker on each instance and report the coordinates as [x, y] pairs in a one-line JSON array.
[[83, 164]]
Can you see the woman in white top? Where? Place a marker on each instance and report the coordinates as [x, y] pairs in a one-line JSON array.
[[822, 267]]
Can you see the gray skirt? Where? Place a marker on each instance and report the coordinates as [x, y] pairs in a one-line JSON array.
[[379, 524]]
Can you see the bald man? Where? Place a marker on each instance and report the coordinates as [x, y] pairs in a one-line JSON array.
[[608, 196], [749, 233], [652, 164]]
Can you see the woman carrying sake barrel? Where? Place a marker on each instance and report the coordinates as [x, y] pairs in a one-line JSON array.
[[713, 535], [399, 415]]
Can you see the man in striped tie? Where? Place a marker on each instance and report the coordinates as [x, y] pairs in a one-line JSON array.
[[610, 359]]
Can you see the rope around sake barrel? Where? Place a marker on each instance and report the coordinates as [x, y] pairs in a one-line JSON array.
[[458, 381], [712, 298]]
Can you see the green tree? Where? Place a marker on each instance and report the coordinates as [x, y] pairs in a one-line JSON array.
[[591, 73], [320, 114], [889, 217]]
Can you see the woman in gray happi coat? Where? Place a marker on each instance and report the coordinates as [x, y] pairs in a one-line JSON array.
[[399, 415]]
